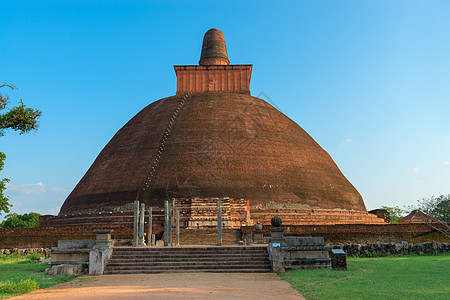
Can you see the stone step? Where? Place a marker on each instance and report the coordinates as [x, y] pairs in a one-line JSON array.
[[184, 263], [193, 257], [188, 259], [188, 266], [191, 267], [181, 257], [191, 249], [200, 249], [147, 254], [157, 271]]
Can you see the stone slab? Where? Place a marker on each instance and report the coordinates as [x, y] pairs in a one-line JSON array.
[[75, 244]]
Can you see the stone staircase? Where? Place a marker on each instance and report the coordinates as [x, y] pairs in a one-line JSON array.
[[233, 259]]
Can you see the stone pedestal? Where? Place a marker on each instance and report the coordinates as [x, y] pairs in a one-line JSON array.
[[277, 235], [258, 237], [103, 238]]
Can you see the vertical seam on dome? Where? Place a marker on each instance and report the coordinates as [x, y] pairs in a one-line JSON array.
[[155, 163]]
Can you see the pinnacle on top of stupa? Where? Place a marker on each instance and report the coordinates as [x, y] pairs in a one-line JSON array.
[[214, 49]]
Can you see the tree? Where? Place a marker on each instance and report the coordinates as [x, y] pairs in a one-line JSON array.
[[14, 220], [18, 118], [395, 213], [438, 208]]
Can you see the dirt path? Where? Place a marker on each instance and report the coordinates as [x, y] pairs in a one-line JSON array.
[[171, 286]]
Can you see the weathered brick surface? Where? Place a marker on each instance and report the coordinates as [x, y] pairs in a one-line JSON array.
[[314, 217], [47, 237], [214, 49], [200, 79], [221, 145], [214, 140], [363, 233]]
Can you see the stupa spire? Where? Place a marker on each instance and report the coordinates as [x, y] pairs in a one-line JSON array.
[[214, 49]]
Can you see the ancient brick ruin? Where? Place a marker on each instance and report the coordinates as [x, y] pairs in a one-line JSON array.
[[210, 141]]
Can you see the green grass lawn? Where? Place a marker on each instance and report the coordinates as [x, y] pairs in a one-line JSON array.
[[23, 274], [406, 277]]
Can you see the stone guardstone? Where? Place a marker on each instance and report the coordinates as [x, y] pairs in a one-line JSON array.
[[66, 269]]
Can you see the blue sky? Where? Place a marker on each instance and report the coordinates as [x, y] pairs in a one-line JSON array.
[[368, 80]]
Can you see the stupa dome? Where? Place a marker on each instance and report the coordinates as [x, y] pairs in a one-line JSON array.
[[221, 145], [214, 140]]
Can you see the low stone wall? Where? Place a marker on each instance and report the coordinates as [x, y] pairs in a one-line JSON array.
[[362, 233], [43, 251], [381, 249]]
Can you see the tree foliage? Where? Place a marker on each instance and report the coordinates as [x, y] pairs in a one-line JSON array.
[[438, 208], [4, 200], [395, 213], [18, 118], [14, 220]]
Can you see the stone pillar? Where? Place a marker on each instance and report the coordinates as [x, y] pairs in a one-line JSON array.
[[172, 210], [219, 222], [135, 224], [150, 227], [166, 223], [178, 226], [141, 224], [170, 225]]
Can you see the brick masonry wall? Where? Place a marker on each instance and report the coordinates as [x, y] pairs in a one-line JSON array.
[[199, 79], [363, 233], [47, 237]]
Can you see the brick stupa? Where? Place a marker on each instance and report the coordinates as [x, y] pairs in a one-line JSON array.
[[210, 141]]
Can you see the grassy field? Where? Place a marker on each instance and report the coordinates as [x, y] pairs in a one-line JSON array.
[[23, 274], [406, 277]]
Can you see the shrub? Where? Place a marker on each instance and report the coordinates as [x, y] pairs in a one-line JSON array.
[[21, 287]]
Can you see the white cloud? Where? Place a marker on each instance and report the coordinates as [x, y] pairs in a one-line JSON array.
[[415, 170], [37, 188], [447, 163], [27, 189], [57, 189], [346, 141]]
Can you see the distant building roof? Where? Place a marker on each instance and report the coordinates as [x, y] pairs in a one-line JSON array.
[[416, 216]]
